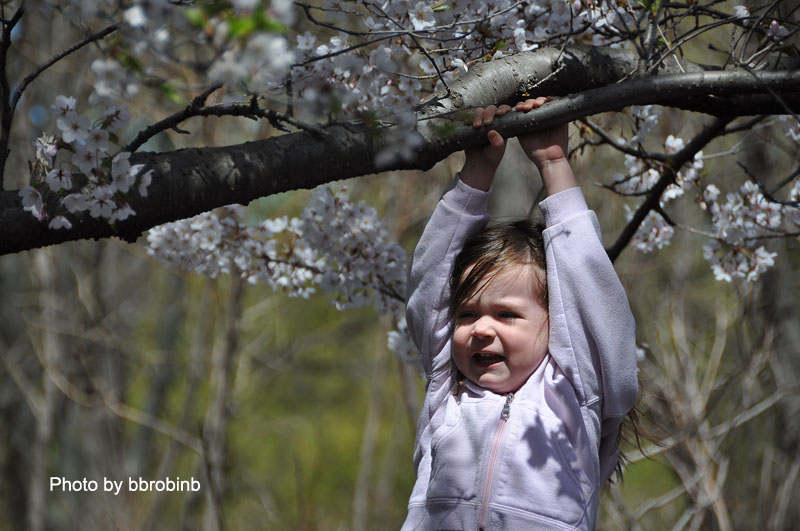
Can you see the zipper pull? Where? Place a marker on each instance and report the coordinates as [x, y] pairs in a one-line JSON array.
[[507, 406]]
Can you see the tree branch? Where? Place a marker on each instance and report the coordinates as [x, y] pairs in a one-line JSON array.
[[191, 181]]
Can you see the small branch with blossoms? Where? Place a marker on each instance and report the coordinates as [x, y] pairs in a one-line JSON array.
[[770, 196], [77, 173], [666, 178], [12, 100]]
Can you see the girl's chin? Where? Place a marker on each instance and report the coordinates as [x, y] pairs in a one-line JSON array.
[[495, 383]]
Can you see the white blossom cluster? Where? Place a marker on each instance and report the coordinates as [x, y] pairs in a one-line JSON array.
[[340, 76], [336, 245], [79, 172], [740, 223], [217, 243], [363, 267], [654, 232]]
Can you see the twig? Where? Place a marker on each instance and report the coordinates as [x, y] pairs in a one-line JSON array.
[[56, 58], [195, 108], [5, 91], [420, 47], [622, 147]]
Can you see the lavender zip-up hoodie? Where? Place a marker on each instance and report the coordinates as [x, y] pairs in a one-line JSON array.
[[535, 460]]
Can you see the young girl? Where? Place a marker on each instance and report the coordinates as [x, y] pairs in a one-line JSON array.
[[531, 362]]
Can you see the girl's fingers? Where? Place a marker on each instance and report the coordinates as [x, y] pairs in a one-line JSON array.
[[488, 115], [485, 116], [477, 118], [531, 103], [496, 140]]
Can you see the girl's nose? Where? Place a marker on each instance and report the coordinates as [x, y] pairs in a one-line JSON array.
[[483, 328]]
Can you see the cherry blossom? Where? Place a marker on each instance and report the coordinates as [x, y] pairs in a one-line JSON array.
[[101, 202], [85, 160], [338, 246], [740, 224], [59, 222], [62, 106], [422, 17], [115, 118], [32, 201], [777, 30], [653, 233], [741, 11], [59, 179], [73, 127], [97, 140], [75, 203]]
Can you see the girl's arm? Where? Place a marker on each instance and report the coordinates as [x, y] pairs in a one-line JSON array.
[[460, 212]]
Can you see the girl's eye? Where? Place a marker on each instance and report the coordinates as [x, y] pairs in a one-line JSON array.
[[466, 314], [508, 315]]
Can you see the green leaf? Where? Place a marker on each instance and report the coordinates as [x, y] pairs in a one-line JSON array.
[[651, 5], [267, 23], [445, 129], [129, 61], [195, 16], [241, 27], [172, 94], [259, 21]]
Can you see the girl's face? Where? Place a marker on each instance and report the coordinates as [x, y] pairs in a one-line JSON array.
[[500, 334]]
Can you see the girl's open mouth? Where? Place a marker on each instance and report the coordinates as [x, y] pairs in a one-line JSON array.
[[485, 359]]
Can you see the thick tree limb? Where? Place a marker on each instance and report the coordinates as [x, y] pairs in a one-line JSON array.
[[590, 80]]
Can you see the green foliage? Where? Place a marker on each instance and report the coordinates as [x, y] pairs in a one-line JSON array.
[[172, 94], [239, 26], [651, 5]]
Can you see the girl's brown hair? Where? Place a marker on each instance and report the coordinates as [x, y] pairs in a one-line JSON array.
[[488, 252]]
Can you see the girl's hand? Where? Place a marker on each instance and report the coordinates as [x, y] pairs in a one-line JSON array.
[[548, 149], [543, 147], [481, 163]]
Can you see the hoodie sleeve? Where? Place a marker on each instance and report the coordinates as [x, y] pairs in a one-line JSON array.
[[460, 212], [592, 331]]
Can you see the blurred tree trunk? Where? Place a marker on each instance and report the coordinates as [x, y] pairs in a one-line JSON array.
[[215, 432], [51, 352], [364, 481], [171, 317], [198, 355], [779, 301]]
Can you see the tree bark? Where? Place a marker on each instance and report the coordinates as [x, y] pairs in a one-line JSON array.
[[590, 80]]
